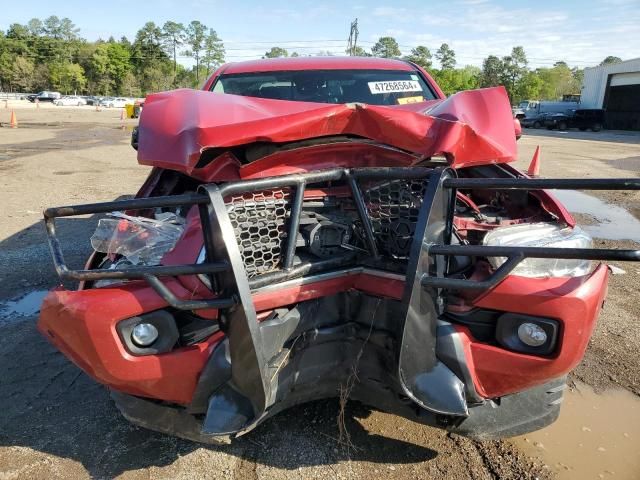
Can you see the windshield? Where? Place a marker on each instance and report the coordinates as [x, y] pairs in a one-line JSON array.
[[375, 87]]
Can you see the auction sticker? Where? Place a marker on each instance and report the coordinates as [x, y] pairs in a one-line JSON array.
[[406, 100], [395, 86]]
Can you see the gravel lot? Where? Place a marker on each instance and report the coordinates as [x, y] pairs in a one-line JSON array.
[[58, 423]]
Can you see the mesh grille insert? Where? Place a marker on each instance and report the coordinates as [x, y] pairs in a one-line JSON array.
[[259, 220], [393, 208]]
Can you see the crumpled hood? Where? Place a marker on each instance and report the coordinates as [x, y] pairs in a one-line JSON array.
[[470, 128]]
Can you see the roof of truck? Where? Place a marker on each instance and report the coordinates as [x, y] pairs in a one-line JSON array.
[[316, 63]]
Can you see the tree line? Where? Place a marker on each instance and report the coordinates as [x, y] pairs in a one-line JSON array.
[[49, 54], [512, 71]]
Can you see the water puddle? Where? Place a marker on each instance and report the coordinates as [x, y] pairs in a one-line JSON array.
[[24, 306], [596, 437], [612, 222]]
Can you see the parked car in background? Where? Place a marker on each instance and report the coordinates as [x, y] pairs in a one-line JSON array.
[[592, 118], [114, 102], [558, 121], [529, 109], [93, 100], [581, 119], [44, 96], [536, 121], [70, 100]]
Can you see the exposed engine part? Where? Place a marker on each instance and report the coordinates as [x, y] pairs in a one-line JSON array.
[[325, 236]]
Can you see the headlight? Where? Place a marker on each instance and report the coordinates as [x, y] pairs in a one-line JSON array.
[[542, 235]]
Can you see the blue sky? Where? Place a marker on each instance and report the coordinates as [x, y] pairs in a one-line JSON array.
[[579, 32]]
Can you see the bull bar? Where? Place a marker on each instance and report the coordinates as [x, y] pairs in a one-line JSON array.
[[250, 393]]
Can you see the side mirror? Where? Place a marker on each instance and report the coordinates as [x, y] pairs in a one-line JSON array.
[[518, 128]]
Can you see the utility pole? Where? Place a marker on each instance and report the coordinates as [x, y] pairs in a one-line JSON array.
[[353, 38]]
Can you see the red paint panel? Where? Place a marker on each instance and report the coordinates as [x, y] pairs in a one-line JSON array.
[[321, 157], [574, 302], [316, 63], [470, 128], [82, 324]]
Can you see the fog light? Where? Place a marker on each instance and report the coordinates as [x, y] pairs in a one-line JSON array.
[[144, 334], [532, 334]]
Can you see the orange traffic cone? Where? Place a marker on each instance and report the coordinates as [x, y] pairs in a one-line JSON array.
[[13, 123], [534, 166], [122, 116]]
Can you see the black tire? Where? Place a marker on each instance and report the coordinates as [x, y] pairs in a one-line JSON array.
[[550, 127], [562, 126], [583, 129], [537, 124], [596, 127]]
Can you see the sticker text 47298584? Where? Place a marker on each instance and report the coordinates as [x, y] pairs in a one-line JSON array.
[[394, 86]]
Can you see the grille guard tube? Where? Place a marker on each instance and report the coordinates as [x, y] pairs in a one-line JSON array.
[[241, 403], [424, 378]]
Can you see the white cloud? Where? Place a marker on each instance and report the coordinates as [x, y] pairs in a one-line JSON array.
[[477, 28], [389, 11]]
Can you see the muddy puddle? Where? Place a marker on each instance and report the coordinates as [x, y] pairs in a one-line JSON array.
[[24, 306], [612, 222], [596, 437]]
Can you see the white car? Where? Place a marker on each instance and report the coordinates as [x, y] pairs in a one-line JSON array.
[[118, 102], [70, 100]]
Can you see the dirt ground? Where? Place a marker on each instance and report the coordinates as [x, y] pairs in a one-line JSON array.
[[55, 422]]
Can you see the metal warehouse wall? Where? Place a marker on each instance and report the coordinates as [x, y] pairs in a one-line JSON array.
[[594, 84]]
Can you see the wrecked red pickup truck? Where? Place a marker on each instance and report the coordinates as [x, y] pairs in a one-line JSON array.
[[319, 225]]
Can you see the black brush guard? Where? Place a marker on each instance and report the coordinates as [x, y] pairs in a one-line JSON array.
[[249, 394]]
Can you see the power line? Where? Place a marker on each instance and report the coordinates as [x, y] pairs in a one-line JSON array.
[[305, 45], [275, 42]]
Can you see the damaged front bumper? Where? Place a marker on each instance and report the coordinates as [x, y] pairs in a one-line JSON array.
[[331, 320]]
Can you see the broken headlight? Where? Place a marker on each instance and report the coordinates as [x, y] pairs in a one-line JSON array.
[[542, 235]]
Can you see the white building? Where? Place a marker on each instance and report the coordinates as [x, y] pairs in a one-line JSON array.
[[616, 88]]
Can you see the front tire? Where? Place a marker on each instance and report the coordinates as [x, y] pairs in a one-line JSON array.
[[596, 127], [562, 126], [536, 125]]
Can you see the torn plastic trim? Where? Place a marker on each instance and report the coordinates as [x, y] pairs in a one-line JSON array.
[[138, 240]]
